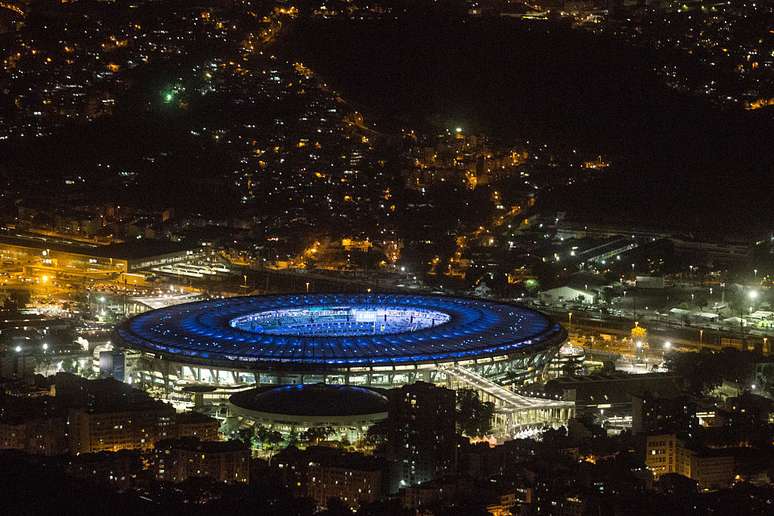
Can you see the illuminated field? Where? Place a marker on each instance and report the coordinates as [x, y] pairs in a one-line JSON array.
[[340, 321]]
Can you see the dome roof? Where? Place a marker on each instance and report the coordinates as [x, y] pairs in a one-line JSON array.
[[312, 400]]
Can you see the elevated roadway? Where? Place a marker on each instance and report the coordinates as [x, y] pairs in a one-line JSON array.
[[515, 412]]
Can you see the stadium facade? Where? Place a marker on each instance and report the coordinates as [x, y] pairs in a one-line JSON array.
[[382, 340]]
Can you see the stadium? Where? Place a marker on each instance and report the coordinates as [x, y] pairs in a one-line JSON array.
[[382, 340]]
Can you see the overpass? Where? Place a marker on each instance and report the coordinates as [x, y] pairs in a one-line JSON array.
[[514, 412]]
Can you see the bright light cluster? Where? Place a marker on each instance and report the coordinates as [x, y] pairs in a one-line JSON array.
[[340, 321]]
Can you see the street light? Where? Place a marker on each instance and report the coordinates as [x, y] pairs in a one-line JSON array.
[[307, 287], [667, 345], [753, 295]]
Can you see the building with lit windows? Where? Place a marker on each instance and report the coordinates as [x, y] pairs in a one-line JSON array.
[[661, 454], [322, 473], [711, 469], [135, 427], [194, 424], [421, 434], [68, 255], [177, 460]]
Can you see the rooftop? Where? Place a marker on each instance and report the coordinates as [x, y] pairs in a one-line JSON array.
[[314, 400], [338, 330], [132, 250]]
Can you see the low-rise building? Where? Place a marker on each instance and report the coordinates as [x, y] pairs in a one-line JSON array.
[[352, 478], [321, 473], [421, 495], [177, 460], [111, 428], [120, 468], [711, 469], [194, 424]]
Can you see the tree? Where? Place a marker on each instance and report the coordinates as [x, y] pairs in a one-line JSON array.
[[706, 370], [376, 436], [69, 365], [292, 439], [474, 417], [266, 437], [17, 300], [315, 434], [245, 435]]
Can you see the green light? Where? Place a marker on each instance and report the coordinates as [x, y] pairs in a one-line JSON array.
[[168, 97]]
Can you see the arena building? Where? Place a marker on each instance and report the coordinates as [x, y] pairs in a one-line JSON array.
[[382, 340], [346, 411]]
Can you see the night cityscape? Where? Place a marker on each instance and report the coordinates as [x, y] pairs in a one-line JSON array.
[[389, 257]]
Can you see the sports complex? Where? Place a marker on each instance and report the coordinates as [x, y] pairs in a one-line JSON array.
[[380, 340]]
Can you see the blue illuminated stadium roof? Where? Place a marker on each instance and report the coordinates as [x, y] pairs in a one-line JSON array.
[[338, 330]]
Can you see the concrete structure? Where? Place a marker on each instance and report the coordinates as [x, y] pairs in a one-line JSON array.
[[711, 469], [380, 340], [348, 411], [612, 390], [132, 427], [514, 412], [352, 479], [421, 434], [567, 295], [200, 426], [321, 473], [177, 460], [83, 256]]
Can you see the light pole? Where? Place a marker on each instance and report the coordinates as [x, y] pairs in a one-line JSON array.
[[21, 362], [752, 295], [307, 287], [701, 339]]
